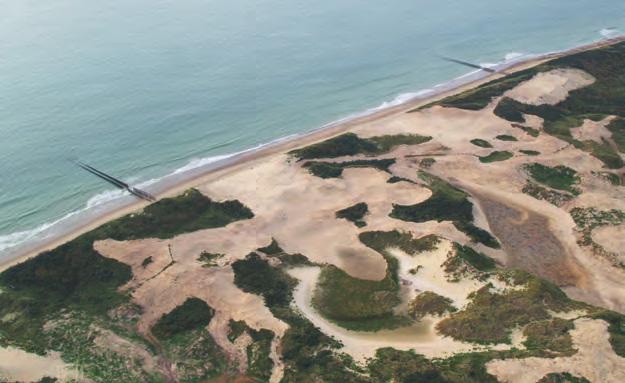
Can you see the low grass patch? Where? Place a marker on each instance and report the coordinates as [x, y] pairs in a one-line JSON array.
[[259, 363], [603, 152], [559, 177], [335, 169], [588, 219], [491, 316], [357, 304], [354, 213], [553, 197], [550, 336], [496, 156], [391, 365], [612, 178], [430, 303], [196, 355], [481, 143], [349, 144]]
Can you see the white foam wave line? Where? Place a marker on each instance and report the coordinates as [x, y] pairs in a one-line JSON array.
[[610, 32], [14, 239]]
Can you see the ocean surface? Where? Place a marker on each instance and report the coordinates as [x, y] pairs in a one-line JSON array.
[[145, 89]]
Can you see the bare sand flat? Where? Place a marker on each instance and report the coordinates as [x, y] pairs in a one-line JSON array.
[[550, 87], [18, 365], [593, 130]]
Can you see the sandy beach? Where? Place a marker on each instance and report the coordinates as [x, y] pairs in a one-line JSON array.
[[250, 159]]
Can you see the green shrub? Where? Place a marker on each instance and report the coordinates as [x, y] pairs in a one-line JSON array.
[[191, 211], [390, 365], [430, 303], [481, 143], [506, 137], [209, 259], [380, 241], [603, 152], [427, 162], [254, 275], [479, 97], [335, 169], [617, 128], [616, 329], [395, 179], [349, 144], [529, 152], [531, 131], [562, 377], [551, 335], [357, 304], [491, 316], [560, 177], [509, 110], [496, 156], [354, 213], [553, 197], [477, 234], [272, 249], [193, 314], [479, 261], [446, 204]]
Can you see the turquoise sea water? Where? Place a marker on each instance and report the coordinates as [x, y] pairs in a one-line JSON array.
[[142, 89]]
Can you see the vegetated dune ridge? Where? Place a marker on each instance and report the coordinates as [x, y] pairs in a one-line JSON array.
[[253, 276]]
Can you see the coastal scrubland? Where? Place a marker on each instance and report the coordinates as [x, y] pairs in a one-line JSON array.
[[385, 253]]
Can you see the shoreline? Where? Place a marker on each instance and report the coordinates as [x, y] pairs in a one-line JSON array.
[[176, 183]]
